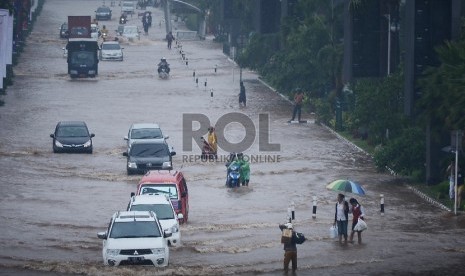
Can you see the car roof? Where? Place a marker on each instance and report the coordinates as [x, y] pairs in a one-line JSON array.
[[130, 216], [71, 123], [150, 199], [110, 42], [160, 176], [103, 7], [144, 125]]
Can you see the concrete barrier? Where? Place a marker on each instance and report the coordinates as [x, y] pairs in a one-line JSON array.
[[186, 35]]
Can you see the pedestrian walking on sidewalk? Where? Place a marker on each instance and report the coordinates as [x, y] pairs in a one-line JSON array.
[[298, 100]]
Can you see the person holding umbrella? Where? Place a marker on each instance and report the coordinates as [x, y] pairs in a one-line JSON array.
[[357, 212], [341, 217]]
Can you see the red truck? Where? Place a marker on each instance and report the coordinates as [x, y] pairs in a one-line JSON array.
[[79, 26]]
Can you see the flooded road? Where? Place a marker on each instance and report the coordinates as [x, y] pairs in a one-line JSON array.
[[53, 205]]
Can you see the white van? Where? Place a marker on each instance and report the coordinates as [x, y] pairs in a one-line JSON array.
[[129, 7]]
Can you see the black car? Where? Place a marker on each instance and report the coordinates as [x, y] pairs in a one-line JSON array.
[[64, 33], [103, 13], [72, 136], [148, 155]]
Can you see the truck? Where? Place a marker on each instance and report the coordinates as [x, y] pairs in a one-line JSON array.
[[79, 26], [82, 57]]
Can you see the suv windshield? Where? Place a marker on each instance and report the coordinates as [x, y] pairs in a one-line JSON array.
[[163, 211], [146, 133], [135, 229], [167, 189], [110, 46], [149, 150]]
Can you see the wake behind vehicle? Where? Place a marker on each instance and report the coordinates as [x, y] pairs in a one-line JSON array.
[[135, 238]]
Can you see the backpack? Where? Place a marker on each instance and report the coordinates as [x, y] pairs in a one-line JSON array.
[[300, 238]]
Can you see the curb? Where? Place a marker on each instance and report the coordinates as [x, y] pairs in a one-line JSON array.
[[429, 199]]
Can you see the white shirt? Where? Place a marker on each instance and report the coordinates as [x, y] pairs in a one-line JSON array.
[[340, 211]]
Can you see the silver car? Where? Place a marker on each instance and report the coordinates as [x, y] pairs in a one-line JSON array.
[[144, 131], [111, 50]]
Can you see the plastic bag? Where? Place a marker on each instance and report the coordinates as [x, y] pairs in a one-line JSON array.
[[333, 232], [300, 238], [361, 225]]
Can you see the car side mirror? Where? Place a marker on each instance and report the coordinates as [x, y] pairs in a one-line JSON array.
[[173, 153], [125, 153], [52, 135], [167, 234], [183, 194], [133, 194], [125, 138], [92, 135], [102, 235], [166, 137]]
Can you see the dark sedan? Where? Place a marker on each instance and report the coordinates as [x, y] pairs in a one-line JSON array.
[[148, 155], [72, 136], [103, 13]]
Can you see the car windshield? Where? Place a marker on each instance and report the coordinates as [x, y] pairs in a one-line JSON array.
[[135, 229], [163, 211], [130, 30], [72, 131], [166, 189], [110, 46], [103, 10], [149, 150], [146, 133]]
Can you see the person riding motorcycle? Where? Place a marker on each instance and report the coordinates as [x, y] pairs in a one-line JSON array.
[[104, 32], [123, 18], [163, 64]]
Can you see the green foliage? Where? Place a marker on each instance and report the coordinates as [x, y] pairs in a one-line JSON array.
[[404, 153], [380, 99], [443, 97]]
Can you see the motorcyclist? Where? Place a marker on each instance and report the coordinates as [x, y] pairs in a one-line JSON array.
[[163, 64], [233, 160], [104, 32], [123, 18]]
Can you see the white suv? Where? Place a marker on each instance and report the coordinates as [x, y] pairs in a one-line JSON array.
[[163, 208], [135, 238]]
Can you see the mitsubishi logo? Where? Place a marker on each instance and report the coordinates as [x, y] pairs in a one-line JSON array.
[[135, 252]]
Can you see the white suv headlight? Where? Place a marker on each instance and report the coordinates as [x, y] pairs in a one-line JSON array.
[[166, 165], [58, 144], [132, 165], [112, 252]]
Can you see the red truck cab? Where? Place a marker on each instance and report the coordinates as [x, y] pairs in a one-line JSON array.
[[170, 183]]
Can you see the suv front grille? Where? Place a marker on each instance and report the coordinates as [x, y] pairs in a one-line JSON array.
[[138, 252]]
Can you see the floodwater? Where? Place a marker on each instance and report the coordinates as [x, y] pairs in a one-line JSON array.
[[53, 205]]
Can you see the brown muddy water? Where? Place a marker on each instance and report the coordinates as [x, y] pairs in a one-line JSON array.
[[53, 205]]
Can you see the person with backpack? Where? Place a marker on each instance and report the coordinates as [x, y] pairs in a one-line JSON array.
[[290, 239], [341, 217]]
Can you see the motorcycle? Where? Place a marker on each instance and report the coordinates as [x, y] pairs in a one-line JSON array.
[[123, 19], [233, 174], [163, 72], [207, 151]]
